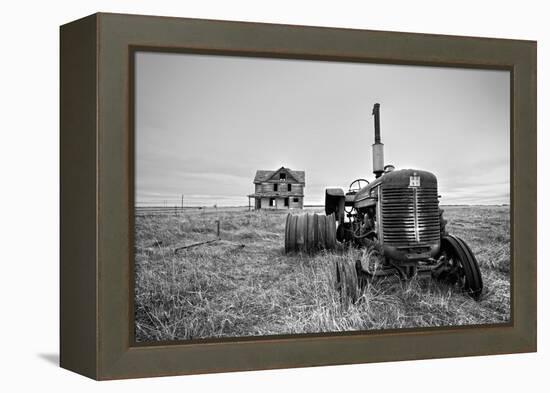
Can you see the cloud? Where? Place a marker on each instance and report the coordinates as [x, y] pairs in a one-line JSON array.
[[205, 124]]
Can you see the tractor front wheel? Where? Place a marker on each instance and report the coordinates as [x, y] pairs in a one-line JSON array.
[[463, 265]]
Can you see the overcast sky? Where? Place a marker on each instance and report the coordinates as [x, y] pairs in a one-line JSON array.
[[205, 124]]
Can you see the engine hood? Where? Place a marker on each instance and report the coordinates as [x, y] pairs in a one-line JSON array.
[[399, 179]]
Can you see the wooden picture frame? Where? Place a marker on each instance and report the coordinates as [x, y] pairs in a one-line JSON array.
[[97, 207]]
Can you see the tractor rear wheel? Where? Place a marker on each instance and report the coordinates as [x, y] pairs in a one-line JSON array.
[[464, 263], [347, 283], [309, 232]]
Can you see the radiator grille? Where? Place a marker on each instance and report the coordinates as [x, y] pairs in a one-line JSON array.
[[410, 215]]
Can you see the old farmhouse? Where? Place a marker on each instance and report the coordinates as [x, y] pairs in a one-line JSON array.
[[279, 189]]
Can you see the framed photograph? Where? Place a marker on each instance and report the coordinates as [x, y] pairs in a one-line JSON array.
[[242, 196]]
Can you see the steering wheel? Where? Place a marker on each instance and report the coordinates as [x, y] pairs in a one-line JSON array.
[[358, 186], [354, 190]]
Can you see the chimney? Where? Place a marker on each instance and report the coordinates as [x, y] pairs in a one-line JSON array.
[[378, 146]]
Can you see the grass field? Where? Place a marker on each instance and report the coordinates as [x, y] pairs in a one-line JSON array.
[[244, 284]]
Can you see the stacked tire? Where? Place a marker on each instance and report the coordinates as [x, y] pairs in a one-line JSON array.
[[310, 232]]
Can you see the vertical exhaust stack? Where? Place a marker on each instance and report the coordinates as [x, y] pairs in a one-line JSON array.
[[377, 147]]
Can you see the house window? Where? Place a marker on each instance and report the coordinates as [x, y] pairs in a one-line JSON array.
[[296, 200], [286, 202], [282, 176], [275, 187], [271, 202], [289, 187]]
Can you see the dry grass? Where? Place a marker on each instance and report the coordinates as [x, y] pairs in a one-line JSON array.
[[225, 290]]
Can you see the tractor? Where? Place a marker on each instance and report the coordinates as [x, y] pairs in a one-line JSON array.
[[396, 216]]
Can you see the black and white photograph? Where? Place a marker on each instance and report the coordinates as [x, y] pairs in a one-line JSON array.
[[288, 197], [276, 196]]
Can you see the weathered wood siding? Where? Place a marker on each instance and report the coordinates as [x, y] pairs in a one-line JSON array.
[[265, 190], [280, 203], [268, 187], [265, 203], [296, 205], [297, 188]]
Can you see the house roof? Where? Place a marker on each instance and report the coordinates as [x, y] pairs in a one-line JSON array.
[[265, 175]]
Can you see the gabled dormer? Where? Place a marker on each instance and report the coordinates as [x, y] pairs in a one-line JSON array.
[[283, 175]]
